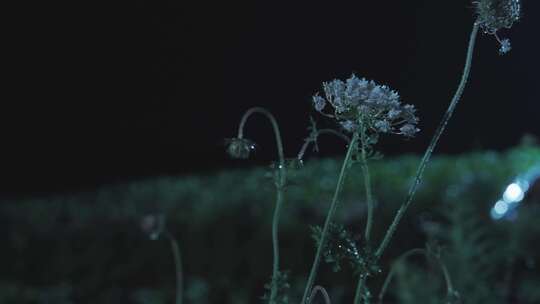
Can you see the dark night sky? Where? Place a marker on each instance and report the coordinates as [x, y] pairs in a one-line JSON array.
[[108, 93]]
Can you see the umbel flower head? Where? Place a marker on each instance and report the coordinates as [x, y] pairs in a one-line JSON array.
[[493, 15], [357, 102]]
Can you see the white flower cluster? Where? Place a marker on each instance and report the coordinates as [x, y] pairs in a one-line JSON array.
[[494, 15], [359, 101]]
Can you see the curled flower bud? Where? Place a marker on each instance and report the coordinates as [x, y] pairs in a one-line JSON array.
[[153, 225], [240, 148]]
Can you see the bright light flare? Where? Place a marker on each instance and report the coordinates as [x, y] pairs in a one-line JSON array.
[[513, 193]]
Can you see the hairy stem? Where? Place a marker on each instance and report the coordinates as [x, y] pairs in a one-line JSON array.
[[440, 129], [178, 268], [280, 185], [333, 206]]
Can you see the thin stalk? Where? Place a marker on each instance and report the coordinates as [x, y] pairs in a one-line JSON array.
[[393, 269], [367, 187], [369, 201], [313, 138], [178, 267], [440, 129], [359, 288], [280, 185], [403, 257], [333, 206]]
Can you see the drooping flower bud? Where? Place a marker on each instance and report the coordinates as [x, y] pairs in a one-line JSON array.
[[240, 148], [153, 225]]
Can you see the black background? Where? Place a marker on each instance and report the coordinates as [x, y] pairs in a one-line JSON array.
[[100, 93]]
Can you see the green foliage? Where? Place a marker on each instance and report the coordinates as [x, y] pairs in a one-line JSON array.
[[281, 284], [93, 241]]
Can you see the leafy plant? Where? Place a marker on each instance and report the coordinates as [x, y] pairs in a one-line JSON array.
[[366, 110]]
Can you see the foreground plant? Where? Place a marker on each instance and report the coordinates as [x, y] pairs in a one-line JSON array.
[[367, 110], [241, 148], [492, 15], [351, 99]]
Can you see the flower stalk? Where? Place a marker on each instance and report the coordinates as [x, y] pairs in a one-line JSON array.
[[434, 140], [332, 210], [279, 183], [450, 292]]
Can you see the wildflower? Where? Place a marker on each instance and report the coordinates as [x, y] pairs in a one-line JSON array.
[[359, 102], [493, 15], [240, 148]]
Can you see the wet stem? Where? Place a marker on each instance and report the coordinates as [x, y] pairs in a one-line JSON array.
[[333, 206], [280, 185], [425, 159]]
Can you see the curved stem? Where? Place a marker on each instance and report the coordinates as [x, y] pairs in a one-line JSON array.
[[329, 216], [403, 257], [393, 269], [279, 183], [313, 138], [275, 126], [322, 291], [178, 267], [440, 129]]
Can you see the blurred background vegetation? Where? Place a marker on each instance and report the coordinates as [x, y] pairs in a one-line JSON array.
[[87, 247]]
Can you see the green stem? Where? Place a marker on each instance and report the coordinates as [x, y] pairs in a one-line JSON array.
[[440, 129], [402, 258], [279, 183], [313, 138], [369, 201], [178, 267], [320, 289], [367, 187], [359, 288], [333, 206]]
